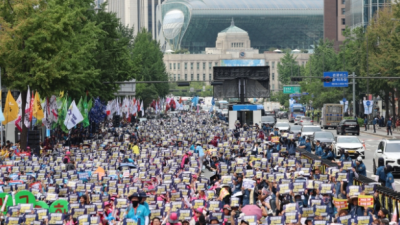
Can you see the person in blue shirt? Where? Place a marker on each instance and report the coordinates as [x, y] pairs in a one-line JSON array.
[[292, 147], [389, 177], [360, 167], [270, 149], [318, 148], [328, 154], [380, 171], [301, 140], [200, 150], [276, 132], [374, 123], [344, 156], [143, 197], [389, 127], [136, 211], [307, 147]]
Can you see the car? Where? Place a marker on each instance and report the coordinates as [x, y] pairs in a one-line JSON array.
[[350, 145], [304, 120], [225, 112], [308, 130], [295, 129], [296, 120], [348, 126], [282, 114], [282, 126], [389, 150], [268, 120], [270, 114], [322, 136]]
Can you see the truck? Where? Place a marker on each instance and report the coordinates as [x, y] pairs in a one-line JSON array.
[[331, 115], [296, 109]]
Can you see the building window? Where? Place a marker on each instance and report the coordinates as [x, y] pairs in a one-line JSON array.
[[343, 2], [343, 21], [273, 87], [175, 76], [209, 66], [273, 76], [174, 66], [216, 64], [179, 66], [204, 77], [209, 77], [302, 63], [273, 65], [185, 66], [204, 65], [191, 66], [343, 11], [198, 77], [343, 31], [170, 66], [267, 63], [179, 77], [198, 66], [185, 77], [191, 77]]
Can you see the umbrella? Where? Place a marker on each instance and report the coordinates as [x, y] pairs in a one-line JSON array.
[[101, 172], [130, 165], [252, 210]]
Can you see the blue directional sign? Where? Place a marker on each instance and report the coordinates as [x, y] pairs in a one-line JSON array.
[[339, 79], [305, 93]]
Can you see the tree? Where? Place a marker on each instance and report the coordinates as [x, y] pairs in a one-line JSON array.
[[48, 45], [147, 54], [287, 68], [113, 54], [383, 55]]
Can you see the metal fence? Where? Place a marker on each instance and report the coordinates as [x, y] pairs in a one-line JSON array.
[[388, 198]]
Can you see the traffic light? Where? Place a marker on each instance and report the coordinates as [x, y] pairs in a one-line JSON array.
[[327, 79], [296, 79], [182, 84]]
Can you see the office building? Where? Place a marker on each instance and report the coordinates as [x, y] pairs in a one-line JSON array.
[[233, 48], [136, 13], [194, 24], [334, 21], [360, 12]]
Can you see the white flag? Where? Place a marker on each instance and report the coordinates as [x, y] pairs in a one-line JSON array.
[[27, 108], [46, 114], [73, 116], [19, 102], [53, 107], [141, 108]]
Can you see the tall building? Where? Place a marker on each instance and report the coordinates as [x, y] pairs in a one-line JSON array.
[[194, 24], [232, 48], [334, 21], [360, 12], [136, 13]]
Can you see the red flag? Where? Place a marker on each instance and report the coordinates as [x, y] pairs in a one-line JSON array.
[[180, 100]]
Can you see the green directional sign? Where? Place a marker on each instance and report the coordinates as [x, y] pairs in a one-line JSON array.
[[291, 89]]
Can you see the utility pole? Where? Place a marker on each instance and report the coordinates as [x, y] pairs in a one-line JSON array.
[[354, 94]]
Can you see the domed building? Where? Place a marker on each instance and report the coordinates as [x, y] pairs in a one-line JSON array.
[[233, 48]]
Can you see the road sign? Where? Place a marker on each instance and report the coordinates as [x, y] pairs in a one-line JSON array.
[[368, 103], [191, 89], [339, 79], [291, 89], [305, 93]]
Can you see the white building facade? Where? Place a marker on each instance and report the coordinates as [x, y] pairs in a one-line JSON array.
[[233, 48]]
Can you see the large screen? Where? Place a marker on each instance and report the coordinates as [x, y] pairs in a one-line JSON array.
[[243, 62]]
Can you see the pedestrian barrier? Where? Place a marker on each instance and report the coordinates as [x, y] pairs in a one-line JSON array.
[[388, 198]]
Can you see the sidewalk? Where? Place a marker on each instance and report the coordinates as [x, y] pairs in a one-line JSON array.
[[381, 132]]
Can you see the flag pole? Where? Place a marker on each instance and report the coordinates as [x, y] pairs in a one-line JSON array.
[[1, 108]]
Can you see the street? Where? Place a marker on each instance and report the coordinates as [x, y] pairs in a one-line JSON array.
[[371, 144]]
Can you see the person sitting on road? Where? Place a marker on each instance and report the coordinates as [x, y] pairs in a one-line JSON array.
[[380, 171], [344, 156], [307, 146], [318, 148], [328, 154], [360, 168]]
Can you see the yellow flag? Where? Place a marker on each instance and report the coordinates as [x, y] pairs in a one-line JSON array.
[[61, 94], [10, 109], [37, 108]]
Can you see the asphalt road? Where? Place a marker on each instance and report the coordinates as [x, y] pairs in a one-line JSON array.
[[371, 144]]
